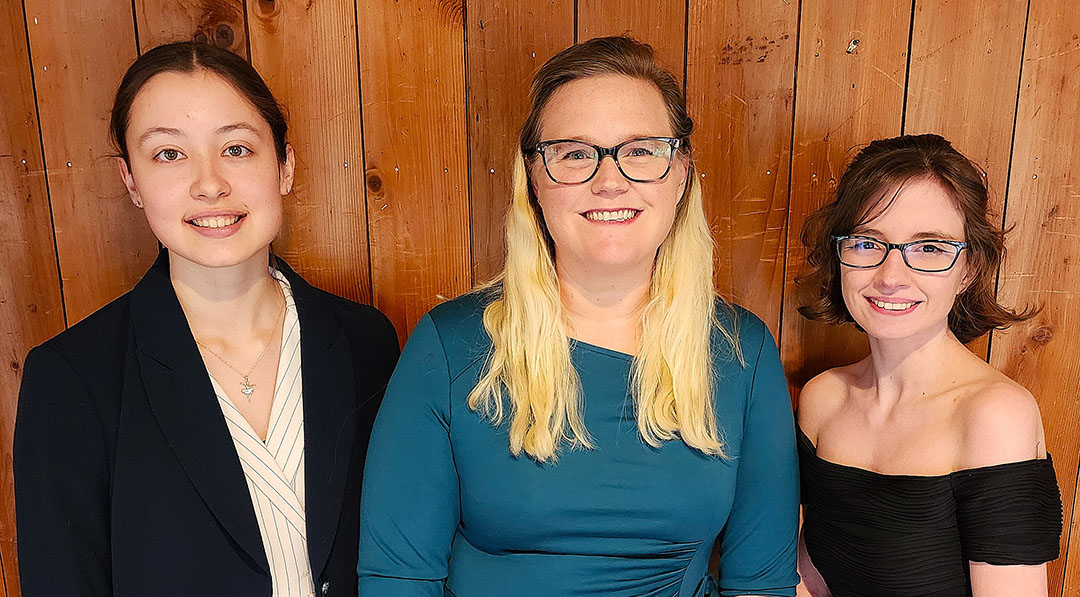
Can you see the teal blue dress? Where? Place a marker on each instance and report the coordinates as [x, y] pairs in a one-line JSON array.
[[447, 510]]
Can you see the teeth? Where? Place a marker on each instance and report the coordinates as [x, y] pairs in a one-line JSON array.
[[618, 215], [219, 222], [892, 306]]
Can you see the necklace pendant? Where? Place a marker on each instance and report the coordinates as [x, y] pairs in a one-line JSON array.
[[247, 388]]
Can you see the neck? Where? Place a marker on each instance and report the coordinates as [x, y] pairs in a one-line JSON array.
[[226, 302], [911, 367], [605, 309]]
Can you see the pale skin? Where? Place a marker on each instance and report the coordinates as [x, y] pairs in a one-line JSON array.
[[199, 152], [920, 403], [605, 269]]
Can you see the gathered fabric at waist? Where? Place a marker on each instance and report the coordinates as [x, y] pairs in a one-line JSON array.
[[478, 573]]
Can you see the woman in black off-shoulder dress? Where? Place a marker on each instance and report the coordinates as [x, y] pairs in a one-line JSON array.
[[924, 470]]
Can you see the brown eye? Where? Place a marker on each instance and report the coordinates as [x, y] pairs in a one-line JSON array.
[[237, 151], [168, 155]]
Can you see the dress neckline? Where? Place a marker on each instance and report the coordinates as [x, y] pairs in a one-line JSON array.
[[1019, 464]]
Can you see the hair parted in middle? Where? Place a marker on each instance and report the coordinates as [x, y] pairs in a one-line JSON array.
[[672, 376], [868, 187]]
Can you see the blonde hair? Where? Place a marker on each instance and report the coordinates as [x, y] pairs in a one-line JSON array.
[[529, 361]]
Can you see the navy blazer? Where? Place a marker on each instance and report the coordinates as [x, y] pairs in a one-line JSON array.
[[126, 478]]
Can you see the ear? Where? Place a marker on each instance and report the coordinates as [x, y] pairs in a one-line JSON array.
[[966, 279], [129, 182], [287, 171], [682, 169]]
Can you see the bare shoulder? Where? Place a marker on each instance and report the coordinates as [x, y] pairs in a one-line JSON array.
[[1001, 423], [822, 398]]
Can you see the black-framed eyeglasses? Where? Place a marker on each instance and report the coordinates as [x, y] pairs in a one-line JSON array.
[[645, 159], [929, 256]]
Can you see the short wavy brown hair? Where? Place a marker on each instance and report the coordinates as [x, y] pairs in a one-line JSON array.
[[865, 191]]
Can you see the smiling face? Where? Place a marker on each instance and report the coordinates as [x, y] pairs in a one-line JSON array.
[[892, 301], [607, 222], [202, 165]]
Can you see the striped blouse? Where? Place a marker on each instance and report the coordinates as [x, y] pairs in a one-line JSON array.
[[274, 469]]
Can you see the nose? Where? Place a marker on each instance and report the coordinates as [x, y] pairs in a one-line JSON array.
[[209, 183], [608, 180], [893, 273]]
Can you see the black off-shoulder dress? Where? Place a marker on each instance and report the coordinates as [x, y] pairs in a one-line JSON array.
[[871, 534]]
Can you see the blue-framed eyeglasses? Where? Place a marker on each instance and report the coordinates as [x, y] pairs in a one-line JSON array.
[[645, 159], [929, 256]]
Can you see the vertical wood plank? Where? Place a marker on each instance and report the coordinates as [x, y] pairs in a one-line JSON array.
[[850, 91], [80, 51], [740, 87], [507, 41], [413, 85], [660, 23], [1044, 248], [306, 52], [220, 22], [965, 67], [31, 308]]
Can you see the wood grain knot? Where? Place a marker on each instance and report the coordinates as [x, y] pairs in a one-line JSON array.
[[266, 10], [224, 36], [374, 183], [15, 366], [451, 12], [1042, 335]]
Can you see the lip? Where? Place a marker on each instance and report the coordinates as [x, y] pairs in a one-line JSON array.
[[894, 300], [637, 212], [221, 232]]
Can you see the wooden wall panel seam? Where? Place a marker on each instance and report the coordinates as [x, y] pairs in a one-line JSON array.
[[363, 148], [791, 173], [1009, 170], [686, 48], [468, 137], [1067, 524], [45, 169], [135, 28], [907, 74]]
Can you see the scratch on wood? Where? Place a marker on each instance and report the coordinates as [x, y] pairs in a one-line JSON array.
[[1054, 55], [898, 84], [942, 46]]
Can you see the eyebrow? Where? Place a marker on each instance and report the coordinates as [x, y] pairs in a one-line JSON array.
[[591, 141], [930, 234], [228, 128], [238, 126], [159, 130]]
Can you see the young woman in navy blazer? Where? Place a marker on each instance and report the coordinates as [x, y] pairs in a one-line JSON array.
[[205, 433]]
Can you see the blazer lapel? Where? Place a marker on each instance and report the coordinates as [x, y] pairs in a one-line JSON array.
[[329, 416], [183, 402]]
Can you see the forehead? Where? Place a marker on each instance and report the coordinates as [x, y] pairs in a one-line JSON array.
[[920, 205], [188, 101], [605, 109]]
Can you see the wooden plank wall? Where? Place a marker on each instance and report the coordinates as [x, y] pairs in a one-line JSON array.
[[405, 116]]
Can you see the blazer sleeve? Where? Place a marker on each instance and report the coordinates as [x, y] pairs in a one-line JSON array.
[[758, 544], [61, 482], [410, 510]]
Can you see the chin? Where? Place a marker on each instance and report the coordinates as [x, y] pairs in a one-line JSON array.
[[221, 258]]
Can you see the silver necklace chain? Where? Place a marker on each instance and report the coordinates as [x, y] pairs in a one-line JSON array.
[[246, 387]]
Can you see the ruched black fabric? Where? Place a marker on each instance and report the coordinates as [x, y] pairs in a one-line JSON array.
[[870, 534]]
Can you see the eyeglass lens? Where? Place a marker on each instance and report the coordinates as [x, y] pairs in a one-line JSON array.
[[928, 255], [641, 160]]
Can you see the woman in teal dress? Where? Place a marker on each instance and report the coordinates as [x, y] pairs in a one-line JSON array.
[[597, 419]]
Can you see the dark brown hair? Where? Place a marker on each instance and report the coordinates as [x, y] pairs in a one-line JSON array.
[[616, 55], [868, 187], [190, 57]]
